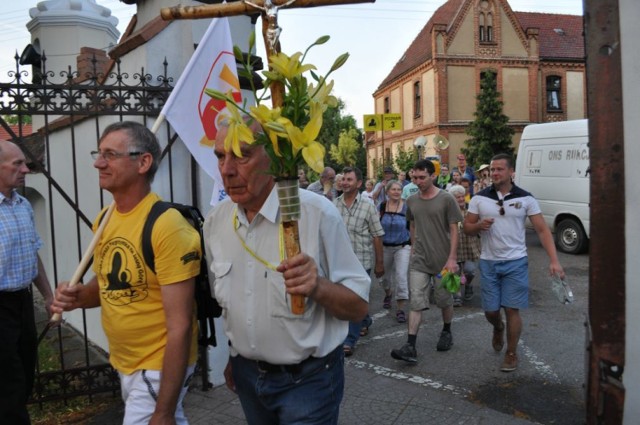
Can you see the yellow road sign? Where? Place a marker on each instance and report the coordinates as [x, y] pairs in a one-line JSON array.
[[392, 122], [372, 122]]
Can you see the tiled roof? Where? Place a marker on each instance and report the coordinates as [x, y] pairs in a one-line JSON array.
[[560, 36], [420, 49], [553, 44], [4, 134]]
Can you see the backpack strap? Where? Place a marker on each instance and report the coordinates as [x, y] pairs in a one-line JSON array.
[[156, 211], [383, 207]]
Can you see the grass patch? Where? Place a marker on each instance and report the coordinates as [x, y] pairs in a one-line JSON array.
[[48, 356], [76, 411]]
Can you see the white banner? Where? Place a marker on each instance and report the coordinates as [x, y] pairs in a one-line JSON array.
[[193, 114]]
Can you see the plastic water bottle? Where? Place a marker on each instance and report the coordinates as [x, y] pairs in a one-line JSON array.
[[561, 289]]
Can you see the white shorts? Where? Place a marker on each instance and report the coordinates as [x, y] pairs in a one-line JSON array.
[[139, 392]]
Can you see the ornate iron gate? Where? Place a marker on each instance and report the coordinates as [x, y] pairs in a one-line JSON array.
[[62, 103]]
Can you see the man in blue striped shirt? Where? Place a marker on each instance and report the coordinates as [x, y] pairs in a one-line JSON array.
[[19, 266]]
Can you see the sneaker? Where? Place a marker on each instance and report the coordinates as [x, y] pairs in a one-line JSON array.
[[457, 301], [400, 316], [445, 342], [510, 362], [386, 303], [498, 337], [468, 292], [407, 353]]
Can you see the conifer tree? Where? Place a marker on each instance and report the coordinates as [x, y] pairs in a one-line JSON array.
[[490, 133]]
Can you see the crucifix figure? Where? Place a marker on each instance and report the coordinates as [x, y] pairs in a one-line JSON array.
[[269, 12]]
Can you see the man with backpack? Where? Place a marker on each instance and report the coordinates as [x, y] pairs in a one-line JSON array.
[[147, 310]]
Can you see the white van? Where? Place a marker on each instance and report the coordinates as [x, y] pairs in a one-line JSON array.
[[553, 164]]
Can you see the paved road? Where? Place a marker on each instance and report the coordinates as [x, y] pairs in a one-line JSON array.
[[464, 385], [548, 385]]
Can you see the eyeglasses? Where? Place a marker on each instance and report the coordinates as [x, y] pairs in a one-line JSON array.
[[500, 204], [112, 155]]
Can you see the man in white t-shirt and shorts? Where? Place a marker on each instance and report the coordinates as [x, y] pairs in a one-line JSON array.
[[498, 213]]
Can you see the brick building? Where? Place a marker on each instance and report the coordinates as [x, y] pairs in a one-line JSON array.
[[538, 59]]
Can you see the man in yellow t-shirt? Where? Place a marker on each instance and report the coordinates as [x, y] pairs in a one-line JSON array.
[[148, 318]]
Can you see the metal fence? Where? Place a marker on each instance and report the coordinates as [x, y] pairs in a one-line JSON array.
[[61, 103]]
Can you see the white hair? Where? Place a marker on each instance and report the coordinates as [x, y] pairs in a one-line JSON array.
[[457, 189]]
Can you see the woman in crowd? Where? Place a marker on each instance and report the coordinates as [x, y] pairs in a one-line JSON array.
[[468, 251], [456, 177], [397, 249], [483, 179], [368, 190], [337, 184]]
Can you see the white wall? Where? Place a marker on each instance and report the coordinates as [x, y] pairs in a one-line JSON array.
[[629, 32], [176, 44]]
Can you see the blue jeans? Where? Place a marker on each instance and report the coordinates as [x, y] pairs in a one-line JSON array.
[[310, 395], [354, 331], [355, 327]]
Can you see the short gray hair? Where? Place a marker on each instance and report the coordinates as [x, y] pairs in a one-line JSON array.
[[457, 189], [141, 139]]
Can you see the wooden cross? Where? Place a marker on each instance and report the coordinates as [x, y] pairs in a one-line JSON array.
[[268, 9]]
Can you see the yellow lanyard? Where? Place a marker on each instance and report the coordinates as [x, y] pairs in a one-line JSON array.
[[236, 226]]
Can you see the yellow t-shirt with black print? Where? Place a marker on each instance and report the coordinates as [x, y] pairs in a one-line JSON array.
[[132, 312]]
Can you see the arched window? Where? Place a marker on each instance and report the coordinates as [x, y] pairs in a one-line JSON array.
[[485, 22], [554, 90]]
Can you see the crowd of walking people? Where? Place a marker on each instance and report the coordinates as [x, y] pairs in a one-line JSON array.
[[408, 232], [417, 225]]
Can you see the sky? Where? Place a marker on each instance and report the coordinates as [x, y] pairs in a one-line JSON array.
[[375, 35]]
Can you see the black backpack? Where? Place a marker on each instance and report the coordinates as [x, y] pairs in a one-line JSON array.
[[207, 307]]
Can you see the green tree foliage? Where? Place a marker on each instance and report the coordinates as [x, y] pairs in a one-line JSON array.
[[490, 133], [14, 119], [404, 159], [334, 123], [345, 153], [378, 168]]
